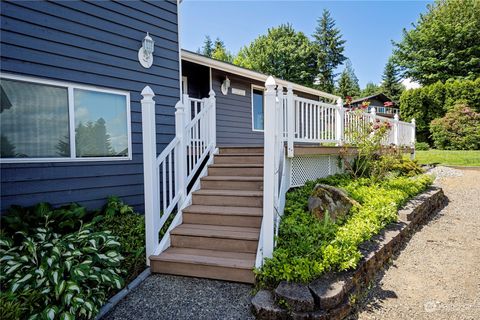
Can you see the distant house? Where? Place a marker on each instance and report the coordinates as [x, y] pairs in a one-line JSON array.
[[384, 106]]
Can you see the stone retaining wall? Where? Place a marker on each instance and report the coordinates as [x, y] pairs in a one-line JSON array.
[[329, 296]]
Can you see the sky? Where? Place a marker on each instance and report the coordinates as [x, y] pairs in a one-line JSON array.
[[368, 26]]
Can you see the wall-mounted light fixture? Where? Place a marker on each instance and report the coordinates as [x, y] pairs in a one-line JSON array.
[[225, 86], [145, 53]]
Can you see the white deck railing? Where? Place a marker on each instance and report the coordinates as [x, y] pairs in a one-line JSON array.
[[167, 175], [292, 119]]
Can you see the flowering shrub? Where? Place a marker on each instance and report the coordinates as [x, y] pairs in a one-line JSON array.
[[459, 129]]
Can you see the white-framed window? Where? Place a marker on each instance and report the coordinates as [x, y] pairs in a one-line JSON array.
[[52, 121], [258, 105]]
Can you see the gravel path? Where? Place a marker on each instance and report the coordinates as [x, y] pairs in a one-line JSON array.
[[437, 275], [173, 297]]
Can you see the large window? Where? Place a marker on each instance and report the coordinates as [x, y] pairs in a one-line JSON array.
[[50, 121], [257, 109]]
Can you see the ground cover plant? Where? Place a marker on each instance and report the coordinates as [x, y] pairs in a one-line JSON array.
[[64, 263], [377, 177]]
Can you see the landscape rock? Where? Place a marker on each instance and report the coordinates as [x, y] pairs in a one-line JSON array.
[[329, 199], [296, 295], [265, 308], [328, 291]]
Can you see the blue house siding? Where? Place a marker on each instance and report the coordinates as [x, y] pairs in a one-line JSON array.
[[96, 44], [234, 112]]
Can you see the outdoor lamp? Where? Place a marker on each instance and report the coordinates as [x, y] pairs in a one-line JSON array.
[[145, 53], [225, 85]]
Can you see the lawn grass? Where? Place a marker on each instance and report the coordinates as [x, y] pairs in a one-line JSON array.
[[449, 157]]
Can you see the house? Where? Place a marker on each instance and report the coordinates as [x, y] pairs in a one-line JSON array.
[[98, 100], [384, 105], [67, 63]]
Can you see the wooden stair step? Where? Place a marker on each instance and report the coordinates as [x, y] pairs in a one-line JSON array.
[[238, 193], [225, 210], [240, 149], [215, 231], [236, 198], [222, 265], [233, 178]]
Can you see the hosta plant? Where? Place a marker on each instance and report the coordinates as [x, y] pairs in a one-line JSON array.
[[73, 272]]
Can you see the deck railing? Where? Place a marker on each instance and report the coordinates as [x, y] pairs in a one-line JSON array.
[[167, 175], [292, 119]]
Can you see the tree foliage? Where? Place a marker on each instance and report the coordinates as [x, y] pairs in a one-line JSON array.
[[348, 82], [370, 90], [391, 85], [329, 47], [283, 53], [215, 50], [433, 101], [443, 44], [459, 129]]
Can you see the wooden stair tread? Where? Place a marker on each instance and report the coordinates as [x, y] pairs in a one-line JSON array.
[[233, 178], [217, 231], [239, 193], [226, 259], [239, 165], [240, 154], [225, 210]]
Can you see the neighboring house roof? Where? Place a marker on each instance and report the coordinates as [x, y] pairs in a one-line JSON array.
[[379, 96], [247, 73]]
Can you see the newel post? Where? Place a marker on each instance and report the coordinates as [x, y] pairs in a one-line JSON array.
[[150, 172], [340, 125], [396, 130], [373, 114], [213, 117], [414, 138], [181, 156], [290, 121], [269, 168]]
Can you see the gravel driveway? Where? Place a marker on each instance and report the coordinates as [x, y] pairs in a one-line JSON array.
[[437, 275], [172, 297]]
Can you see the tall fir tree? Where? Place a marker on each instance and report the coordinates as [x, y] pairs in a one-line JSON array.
[[207, 48], [391, 85], [348, 82], [370, 89], [329, 47], [220, 52]]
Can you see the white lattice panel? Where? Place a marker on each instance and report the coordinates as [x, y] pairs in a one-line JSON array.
[[306, 168]]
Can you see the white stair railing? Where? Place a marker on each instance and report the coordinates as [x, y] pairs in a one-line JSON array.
[[290, 119], [167, 175]]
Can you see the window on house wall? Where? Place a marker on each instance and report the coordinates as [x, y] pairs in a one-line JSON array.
[[257, 109], [49, 121]]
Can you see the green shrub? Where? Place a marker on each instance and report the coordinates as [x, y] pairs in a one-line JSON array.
[[423, 146], [62, 220], [433, 101], [73, 272], [307, 247], [459, 129], [129, 228]]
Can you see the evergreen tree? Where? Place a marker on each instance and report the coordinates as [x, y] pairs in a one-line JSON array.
[[207, 48], [391, 85], [370, 90], [220, 52], [329, 47], [348, 82]]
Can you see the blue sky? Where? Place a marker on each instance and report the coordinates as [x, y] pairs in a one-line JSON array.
[[368, 26]]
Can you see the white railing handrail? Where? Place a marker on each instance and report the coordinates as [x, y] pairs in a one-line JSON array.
[[167, 175], [289, 118]]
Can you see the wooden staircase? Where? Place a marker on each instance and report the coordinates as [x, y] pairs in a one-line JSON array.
[[219, 235]]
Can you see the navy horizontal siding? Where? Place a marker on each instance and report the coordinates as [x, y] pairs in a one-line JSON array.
[[234, 112], [93, 43]]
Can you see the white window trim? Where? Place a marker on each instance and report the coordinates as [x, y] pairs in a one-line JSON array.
[[185, 85], [255, 87], [70, 86]]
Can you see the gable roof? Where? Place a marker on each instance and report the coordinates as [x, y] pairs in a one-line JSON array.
[[379, 96], [247, 73]]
